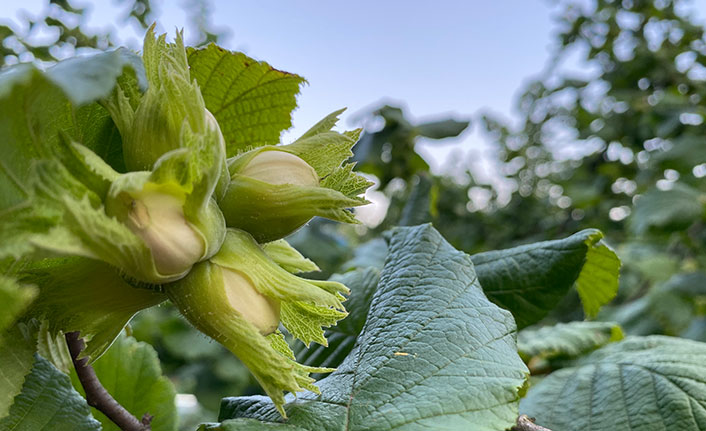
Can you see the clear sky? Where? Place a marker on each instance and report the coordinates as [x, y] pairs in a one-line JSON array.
[[452, 57]]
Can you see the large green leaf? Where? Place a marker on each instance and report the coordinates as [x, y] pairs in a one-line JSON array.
[[566, 340], [251, 100], [130, 372], [673, 209], [48, 402], [434, 353], [530, 280], [646, 384]]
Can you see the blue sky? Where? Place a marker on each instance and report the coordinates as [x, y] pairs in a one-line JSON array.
[[448, 58]]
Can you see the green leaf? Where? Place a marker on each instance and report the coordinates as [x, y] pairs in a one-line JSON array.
[[442, 129], [251, 100], [131, 373], [434, 353], [342, 337], [673, 209], [15, 298], [48, 402], [16, 358], [530, 280], [248, 425], [87, 79], [288, 257], [567, 339], [650, 383], [78, 294], [597, 284]]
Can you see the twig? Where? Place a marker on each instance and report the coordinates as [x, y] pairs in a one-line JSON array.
[[525, 423], [97, 396]]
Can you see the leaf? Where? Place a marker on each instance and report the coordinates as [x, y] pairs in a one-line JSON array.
[[530, 280], [16, 358], [131, 373], [567, 339], [442, 129], [342, 337], [434, 353], [248, 425], [15, 298], [48, 402], [288, 257], [673, 209], [78, 294], [35, 106], [642, 383], [86, 79], [251, 100]]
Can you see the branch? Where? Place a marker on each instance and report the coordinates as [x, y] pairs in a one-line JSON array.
[[97, 396], [525, 423]]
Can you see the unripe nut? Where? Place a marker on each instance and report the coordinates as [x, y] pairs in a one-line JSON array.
[[158, 219], [256, 308], [279, 167]]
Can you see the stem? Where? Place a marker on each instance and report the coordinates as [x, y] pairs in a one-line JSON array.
[[525, 423], [97, 396]]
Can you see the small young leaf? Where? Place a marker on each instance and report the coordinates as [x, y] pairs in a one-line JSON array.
[[251, 101]]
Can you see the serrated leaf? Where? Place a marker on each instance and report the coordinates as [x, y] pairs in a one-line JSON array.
[[131, 373], [530, 280], [342, 337], [430, 341], [251, 100], [672, 209], [16, 358], [568, 340], [288, 257], [641, 383], [48, 402]]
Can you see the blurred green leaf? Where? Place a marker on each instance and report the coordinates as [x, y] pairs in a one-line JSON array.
[[672, 209], [441, 129]]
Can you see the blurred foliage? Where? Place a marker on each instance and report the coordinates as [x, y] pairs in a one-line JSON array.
[[618, 145], [59, 29]]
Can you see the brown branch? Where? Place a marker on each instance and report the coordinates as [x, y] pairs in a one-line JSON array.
[[525, 423], [97, 396]]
